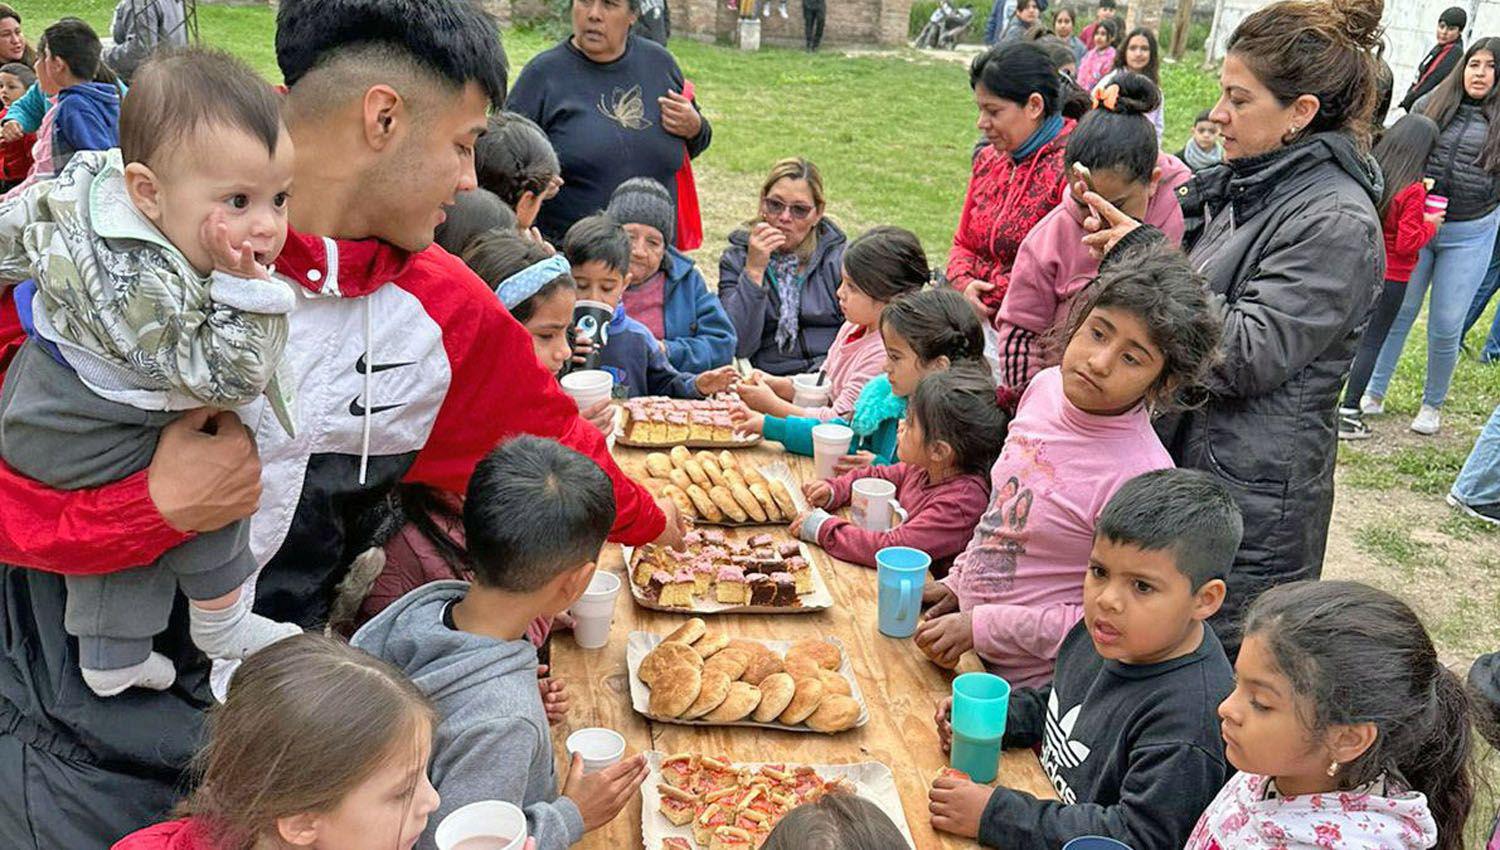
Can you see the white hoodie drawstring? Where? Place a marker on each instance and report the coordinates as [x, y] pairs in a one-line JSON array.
[[364, 447]]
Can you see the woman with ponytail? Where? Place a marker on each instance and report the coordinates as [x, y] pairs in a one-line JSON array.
[[1288, 237], [1346, 728], [1116, 142]]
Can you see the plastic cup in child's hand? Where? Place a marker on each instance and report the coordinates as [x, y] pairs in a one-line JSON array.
[[594, 612], [598, 747], [485, 825]]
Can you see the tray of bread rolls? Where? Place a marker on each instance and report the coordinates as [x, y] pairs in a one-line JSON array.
[[699, 676], [727, 571], [720, 489], [658, 422], [692, 801]]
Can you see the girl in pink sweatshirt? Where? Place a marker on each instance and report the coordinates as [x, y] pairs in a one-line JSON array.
[[953, 430], [1117, 144], [1101, 56], [881, 265], [1146, 333]]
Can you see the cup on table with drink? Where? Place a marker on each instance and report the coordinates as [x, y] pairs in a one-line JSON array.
[[588, 387], [901, 572], [831, 441], [812, 390], [598, 747], [873, 504], [485, 825], [594, 612], [981, 702]]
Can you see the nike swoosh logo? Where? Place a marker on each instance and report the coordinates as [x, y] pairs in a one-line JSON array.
[[363, 368], [358, 410]]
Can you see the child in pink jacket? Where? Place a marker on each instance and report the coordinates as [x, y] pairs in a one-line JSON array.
[[1082, 429], [1100, 59], [953, 430], [1117, 143]]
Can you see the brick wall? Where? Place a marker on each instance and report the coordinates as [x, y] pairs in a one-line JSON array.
[[852, 22]]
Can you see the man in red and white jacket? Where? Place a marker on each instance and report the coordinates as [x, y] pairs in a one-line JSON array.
[[404, 367]]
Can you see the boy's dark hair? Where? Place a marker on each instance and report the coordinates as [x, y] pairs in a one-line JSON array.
[[497, 254], [1152, 71], [1355, 654], [1121, 139], [1184, 511], [1157, 285], [472, 213], [453, 41], [535, 509], [1205, 115], [958, 407], [514, 157], [21, 71], [838, 821], [76, 43], [177, 94], [598, 238], [1015, 71], [1455, 17], [887, 262], [1106, 4], [935, 323]]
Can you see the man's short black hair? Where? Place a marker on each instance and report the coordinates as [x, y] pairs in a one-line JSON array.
[[176, 94], [1106, 4], [598, 238], [535, 509], [454, 40], [1186, 511]]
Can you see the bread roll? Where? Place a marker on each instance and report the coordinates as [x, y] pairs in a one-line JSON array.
[[827, 656], [752, 475], [763, 495], [694, 469], [674, 690], [688, 632], [710, 644], [726, 503], [803, 704], [732, 478], [680, 455], [742, 699], [748, 503], [715, 472], [715, 687], [728, 461], [802, 667], [731, 661], [776, 692], [761, 665], [834, 714], [659, 464], [680, 497], [666, 655], [705, 506], [783, 497], [833, 683], [680, 478]]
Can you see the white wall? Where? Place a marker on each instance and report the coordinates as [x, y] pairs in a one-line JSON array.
[[1411, 29]]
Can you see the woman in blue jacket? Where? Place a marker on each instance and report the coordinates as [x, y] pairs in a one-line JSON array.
[[667, 293]]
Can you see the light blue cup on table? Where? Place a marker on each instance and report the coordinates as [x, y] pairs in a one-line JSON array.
[[901, 573], [1095, 842], [981, 702]]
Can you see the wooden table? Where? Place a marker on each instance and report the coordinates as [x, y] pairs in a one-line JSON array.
[[901, 687]]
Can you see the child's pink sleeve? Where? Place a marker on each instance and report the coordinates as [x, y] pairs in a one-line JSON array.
[[870, 360], [942, 530], [1020, 636], [1030, 305]]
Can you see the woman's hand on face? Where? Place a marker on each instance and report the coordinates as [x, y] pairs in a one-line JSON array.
[[678, 116], [1106, 224], [974, 293], [765, 240]]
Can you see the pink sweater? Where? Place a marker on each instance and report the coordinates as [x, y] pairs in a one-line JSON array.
[[1095, 64], [1022, 576], [1054, 265], [850, 364], [940, 517]]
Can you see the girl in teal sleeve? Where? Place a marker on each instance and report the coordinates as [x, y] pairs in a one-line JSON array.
[[923, 332]]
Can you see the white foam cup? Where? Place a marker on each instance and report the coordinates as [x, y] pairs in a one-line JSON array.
[[595, 610], [807, 392], [599, 747], [492, 819], [588, 387], [830, 442]]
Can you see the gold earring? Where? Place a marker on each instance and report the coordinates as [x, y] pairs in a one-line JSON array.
[[1333, 769]]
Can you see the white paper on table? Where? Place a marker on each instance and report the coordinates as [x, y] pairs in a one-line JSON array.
[[640, 644], [872, 780]]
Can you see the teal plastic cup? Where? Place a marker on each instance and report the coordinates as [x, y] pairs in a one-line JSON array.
[[1095, 842], [981, 702]]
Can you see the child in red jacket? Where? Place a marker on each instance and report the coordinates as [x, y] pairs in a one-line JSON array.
[[15, 155], [1410, 220]]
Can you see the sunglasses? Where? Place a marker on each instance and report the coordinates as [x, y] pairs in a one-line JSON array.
[[775, 208]]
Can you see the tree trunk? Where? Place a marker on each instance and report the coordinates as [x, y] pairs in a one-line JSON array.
[[1180, 28]]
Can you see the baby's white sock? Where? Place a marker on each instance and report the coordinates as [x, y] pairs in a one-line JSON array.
[[156, 673], [235, 632]]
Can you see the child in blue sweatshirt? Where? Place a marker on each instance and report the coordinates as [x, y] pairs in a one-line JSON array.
[[87, 114], [598, 249]]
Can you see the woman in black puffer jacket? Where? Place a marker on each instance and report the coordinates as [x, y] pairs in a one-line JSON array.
[[1463, 166]]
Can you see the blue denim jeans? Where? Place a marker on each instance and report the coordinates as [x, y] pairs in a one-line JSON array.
[[1479, 481], [1490, 351], [1453, 266]]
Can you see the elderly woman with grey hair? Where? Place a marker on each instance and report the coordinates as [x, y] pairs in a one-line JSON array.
[[613, 106]]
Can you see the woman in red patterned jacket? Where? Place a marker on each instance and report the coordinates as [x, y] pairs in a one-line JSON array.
[[1018, 177]]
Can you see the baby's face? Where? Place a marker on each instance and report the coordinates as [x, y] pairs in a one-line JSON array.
[[11, 88], [223, 174]]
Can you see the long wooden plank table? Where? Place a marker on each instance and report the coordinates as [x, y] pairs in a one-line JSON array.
[[901, 687]]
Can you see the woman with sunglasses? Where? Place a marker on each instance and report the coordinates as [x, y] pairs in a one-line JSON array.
[[779, 276]]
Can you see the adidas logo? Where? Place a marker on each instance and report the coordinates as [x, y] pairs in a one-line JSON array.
[[1059, 750]]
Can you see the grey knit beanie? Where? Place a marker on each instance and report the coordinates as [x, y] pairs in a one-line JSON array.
[[642, 200]]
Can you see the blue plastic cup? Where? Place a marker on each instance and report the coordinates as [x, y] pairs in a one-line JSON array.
[[901, 572], [1095, 842], [981, 702]]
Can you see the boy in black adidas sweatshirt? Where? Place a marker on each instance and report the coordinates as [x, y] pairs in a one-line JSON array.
[[1128, 728]]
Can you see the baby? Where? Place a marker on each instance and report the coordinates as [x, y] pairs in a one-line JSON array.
[[152, 296]]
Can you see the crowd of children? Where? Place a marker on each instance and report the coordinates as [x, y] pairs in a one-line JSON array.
[[1068, 552]]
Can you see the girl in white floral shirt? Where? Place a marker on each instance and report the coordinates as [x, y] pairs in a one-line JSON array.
[[1348, 732]]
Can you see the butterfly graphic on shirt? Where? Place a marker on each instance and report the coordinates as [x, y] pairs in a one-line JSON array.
[[625, 108]]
